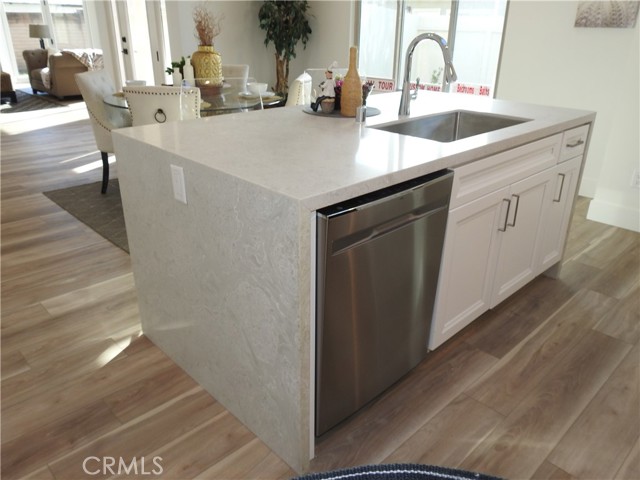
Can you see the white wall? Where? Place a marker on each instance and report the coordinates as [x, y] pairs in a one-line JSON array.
[[546, 60], [242, 41]]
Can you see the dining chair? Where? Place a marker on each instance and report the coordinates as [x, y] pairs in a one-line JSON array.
[[300, 91], [150, 104], [94, 86], [235, 71]]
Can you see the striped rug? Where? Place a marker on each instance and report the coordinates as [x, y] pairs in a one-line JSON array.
[[397, 471]]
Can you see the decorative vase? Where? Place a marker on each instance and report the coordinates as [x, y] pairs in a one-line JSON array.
[[207, 64], [177, 78], [188, 72], [351, 94]]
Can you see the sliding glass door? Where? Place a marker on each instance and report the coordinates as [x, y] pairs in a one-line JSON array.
[[132, 34], [69, 26], [65, 19], [17, 16]]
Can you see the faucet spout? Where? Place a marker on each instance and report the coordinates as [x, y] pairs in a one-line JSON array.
[[449, 72]]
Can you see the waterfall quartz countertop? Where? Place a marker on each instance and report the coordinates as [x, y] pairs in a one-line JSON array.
[[226, 281], [324, 160]]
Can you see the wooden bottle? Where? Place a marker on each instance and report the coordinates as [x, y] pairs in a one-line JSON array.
[[351, 97]]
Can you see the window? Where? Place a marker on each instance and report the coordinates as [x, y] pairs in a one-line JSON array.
[[473, 29], [65, 17], [69, 26]]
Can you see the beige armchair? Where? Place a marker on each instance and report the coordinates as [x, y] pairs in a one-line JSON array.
[[94, 86], [61, 68]]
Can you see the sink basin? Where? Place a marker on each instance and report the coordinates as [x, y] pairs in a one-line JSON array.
[[451, 126]]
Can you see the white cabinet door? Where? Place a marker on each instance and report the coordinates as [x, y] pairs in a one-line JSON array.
[[558, 212], [468, 264], [518, 256], [508, 223]]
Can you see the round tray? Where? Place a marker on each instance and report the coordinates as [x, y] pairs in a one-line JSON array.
[[371, 111]]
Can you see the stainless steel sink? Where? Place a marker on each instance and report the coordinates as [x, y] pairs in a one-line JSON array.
[[451, 126]]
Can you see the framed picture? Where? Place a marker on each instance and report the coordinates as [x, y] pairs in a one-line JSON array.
[[607, 14]]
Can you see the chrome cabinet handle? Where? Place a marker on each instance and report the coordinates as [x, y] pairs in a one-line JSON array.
[[577, 143], [506, 217], [557, 200], [515, 213]]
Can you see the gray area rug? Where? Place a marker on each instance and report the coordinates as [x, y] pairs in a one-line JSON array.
[[102, 213], [29, 103]]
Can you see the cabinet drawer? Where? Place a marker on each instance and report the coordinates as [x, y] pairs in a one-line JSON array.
[[573, 142], [489, 174]]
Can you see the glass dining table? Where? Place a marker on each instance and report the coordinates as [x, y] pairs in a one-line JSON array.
[[215, 100]]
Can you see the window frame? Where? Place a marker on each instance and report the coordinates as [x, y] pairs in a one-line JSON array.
[[398, 55]]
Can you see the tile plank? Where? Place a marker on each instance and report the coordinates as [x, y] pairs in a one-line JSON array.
[[144, 435], [464, 422], [599, 441], [32, 451], [519, 445], [518, 374], [387, 422]]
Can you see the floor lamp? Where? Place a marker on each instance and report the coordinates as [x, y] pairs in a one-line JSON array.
[[39, 31]]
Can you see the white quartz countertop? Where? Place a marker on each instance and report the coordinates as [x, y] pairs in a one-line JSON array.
[[320, 160]]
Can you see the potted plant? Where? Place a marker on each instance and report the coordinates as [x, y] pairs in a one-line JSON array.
[[207, 63], [285, 24]]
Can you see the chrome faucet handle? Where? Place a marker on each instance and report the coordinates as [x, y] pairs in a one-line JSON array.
[[414, 95], [450, 74]]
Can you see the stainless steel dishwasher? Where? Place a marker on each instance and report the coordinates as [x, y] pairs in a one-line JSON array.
[[378, 262]]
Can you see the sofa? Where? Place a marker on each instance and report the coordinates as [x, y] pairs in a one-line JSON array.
[[7, 87], [54, 73]]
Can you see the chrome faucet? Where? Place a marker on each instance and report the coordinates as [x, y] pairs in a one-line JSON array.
[[449, 71]]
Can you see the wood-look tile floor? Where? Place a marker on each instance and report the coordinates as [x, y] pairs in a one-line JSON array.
[[544, 386]]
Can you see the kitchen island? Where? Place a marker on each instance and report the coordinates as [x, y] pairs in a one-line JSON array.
[[226, 281]]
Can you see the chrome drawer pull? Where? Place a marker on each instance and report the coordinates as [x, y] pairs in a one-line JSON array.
[[561, 187], [506, 217], [515, 214]]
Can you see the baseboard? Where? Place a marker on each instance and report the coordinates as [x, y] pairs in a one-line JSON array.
[[613, 214], [588, 187]]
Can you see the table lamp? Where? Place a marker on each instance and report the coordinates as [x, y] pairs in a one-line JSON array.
[[39, 31]]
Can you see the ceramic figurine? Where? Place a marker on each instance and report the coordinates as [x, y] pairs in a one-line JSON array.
[[327, 88]]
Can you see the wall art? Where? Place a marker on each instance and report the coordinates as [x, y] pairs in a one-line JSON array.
[[607, 14]]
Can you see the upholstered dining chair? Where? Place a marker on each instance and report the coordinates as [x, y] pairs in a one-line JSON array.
[[94, 86], [149, 104], [300, 91], [235, 71]]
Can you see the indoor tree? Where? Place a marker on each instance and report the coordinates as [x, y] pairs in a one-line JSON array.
[[285, 24]]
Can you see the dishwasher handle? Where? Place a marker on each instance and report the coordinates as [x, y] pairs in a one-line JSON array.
[[368, 234]]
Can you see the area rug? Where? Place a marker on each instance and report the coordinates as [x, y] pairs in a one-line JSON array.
[[397, 471], [30, 103], [102, 213]]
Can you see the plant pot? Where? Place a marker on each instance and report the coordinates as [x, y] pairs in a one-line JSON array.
[[207, 64]]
